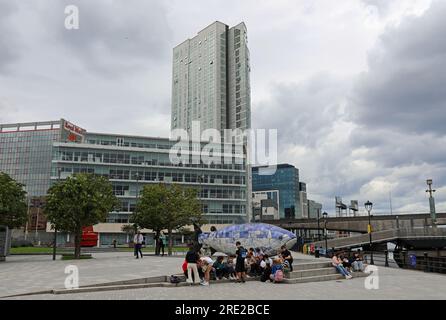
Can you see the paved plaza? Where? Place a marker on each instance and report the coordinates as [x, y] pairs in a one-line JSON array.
[[22, 274]]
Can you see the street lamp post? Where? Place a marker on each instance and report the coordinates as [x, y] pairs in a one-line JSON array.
[[318, 225], [55, 226], [200, 181], [368, 206], [137, 178], [325, 215], [431, 203], [38, 206]]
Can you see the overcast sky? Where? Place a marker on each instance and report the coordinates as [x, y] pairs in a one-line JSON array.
[[356, 88]]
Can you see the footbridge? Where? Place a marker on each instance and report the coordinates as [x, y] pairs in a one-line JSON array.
[[409, 237], [360, 223]]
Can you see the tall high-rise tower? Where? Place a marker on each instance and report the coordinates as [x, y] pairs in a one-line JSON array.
[[210, 80]]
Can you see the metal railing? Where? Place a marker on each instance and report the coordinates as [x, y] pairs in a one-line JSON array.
[[405, 260], [382, 236]]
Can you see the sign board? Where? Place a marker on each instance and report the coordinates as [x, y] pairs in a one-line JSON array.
[[72, 133]]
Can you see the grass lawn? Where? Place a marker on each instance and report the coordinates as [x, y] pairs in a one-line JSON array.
[[28, 250], [47, 250], [152, 249]]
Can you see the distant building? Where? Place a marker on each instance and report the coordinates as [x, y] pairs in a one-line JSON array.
[[39, 153], [286, 181], [210, 79], [265, 205], [314, 209], [303, 199]]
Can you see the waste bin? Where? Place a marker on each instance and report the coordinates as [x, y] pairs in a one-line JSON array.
[[316, 253]]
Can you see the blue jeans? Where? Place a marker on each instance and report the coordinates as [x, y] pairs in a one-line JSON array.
[[342, 270], [358, 265]]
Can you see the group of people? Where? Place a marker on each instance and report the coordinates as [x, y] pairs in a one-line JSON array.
[[245, 263], [346, 265], [139, 241]]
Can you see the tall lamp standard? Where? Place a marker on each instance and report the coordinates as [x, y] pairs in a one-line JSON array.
[[200, 181], [55, 226], [431, 202], [137, 178], [318, 225], [325, 215], [368, 206], [38, 205]]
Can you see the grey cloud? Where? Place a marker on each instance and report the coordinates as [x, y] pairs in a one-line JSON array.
[[383, 6], [394, 149], [113, 37], [8, 38], [303, 113], [404, 87]]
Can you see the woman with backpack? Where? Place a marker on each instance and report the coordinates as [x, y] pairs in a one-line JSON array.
[[240, 262]]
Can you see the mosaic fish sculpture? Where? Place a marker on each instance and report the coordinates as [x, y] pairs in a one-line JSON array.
[[267, 237]]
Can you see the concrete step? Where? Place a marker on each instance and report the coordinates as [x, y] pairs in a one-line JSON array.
[[158, 279], [328, 277], [140, 285], [311, 265], [311, 273]]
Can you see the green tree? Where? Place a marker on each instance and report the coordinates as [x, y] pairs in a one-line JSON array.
[[13, 205], [130, 230], [170, 207], [79, 201]]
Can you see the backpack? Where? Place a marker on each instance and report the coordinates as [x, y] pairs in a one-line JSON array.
[[243, 253], [278, 276], [174, 279]]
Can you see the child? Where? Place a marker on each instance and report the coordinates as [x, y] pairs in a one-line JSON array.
[[277, 271]]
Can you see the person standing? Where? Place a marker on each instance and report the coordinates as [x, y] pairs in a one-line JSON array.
[[138, 240], [240, 262], [157, 243], [163, 242], [192, 258]]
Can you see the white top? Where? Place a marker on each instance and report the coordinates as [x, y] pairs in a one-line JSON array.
[[208, 260], [263, 263], [138, 238]]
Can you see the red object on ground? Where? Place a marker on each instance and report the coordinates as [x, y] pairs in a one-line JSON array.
[[184, 266], [89, 237]]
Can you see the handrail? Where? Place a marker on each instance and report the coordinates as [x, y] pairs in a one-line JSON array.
[[404, 260], [381, 236]]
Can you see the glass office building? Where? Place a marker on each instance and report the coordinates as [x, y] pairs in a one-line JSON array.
[[285, 180], [130, 162], [36, 153], [26, 153], [283, 188]]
